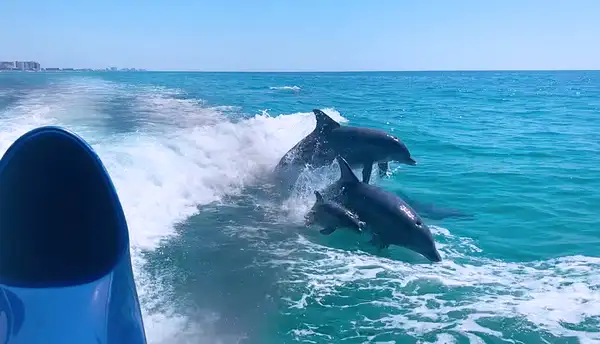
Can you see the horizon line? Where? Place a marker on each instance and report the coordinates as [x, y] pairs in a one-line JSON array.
[[372, 70], [120, 69]]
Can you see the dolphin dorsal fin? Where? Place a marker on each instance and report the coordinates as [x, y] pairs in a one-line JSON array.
[[324, 122], [346, 174], [319, 197]]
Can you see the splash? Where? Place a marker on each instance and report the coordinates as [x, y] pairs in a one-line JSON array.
[[162, 174], [180, 153], [285, 88], [558, 297]]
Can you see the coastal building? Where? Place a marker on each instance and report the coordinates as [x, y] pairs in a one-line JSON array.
[[7, 65], [32, 65], [20, 65]]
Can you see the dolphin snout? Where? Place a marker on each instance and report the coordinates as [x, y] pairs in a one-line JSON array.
[[411, 161], [433, 256]]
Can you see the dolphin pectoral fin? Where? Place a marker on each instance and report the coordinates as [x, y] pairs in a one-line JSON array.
[[366, 172], [377, 241], [383, 168], [327, 231]]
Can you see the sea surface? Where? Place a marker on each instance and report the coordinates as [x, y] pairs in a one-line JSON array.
[[218, 260]]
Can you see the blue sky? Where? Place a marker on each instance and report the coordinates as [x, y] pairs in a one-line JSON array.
[[303, 35]]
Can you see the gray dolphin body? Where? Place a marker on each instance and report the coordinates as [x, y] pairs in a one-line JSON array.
[[312, 150], [361, 147], [332, 216], [392, 221]]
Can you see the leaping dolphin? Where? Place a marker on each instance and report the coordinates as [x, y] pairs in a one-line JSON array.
[[331, 216], [391, 220], [360, 147], [313, 150]]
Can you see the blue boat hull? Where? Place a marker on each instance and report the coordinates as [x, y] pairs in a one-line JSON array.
[[65, 266]]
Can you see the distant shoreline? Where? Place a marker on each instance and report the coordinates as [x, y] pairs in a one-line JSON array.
[[61, 70], [90, 70]]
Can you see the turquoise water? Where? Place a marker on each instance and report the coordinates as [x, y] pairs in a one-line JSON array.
[[216, 259]]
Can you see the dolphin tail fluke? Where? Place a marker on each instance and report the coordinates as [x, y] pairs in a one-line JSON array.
[[324, 122], [346, 174]]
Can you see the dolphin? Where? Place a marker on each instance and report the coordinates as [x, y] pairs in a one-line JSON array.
[[312, 150], [391, 220], [361, 147], [331, 216]]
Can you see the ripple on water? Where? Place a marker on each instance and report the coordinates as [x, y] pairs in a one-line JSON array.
[[462, 297]]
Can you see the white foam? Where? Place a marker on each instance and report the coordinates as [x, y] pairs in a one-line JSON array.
[[161, 180], [546, 294], [286, 88], [162, 175], [445, 338]]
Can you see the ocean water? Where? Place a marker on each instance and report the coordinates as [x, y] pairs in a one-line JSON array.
[[217, 260]]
